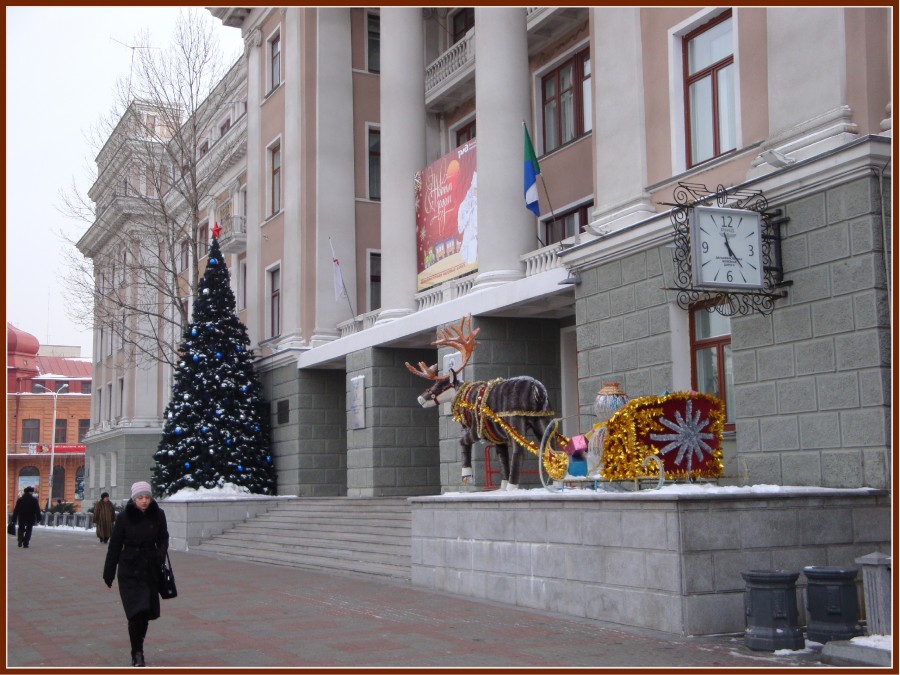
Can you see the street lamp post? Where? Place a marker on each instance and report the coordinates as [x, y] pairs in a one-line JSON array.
[[52, 439]]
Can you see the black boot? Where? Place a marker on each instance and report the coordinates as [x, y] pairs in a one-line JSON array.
[[137, 659]]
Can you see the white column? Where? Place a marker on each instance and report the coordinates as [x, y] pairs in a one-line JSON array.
[[335, 206], [402, 154], [620, 132], [807, 82], [292, 150], [506, 229], [253, 53]]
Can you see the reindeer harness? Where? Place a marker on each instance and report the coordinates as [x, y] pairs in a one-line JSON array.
[[470, 410]]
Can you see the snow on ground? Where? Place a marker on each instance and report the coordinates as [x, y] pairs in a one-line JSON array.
[[885, 642]]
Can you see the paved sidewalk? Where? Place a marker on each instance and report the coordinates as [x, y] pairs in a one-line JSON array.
[[252, 615]]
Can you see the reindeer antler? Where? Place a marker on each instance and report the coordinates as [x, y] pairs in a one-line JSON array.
[[426, 372], [461, 337]]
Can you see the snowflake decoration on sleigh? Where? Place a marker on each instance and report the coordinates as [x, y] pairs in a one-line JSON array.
[[683, 430]]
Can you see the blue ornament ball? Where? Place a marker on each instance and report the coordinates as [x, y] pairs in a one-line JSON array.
[[178, 431], [196, 358], [203, 429], [244, 388], [218, 355], [255, 427], [228, 441], [187, 465], [212, 261], [268, 458], [193, 331], [238, 348], [240, 468]]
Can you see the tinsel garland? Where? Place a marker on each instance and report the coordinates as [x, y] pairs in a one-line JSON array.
[[637, 431], [477, 414]]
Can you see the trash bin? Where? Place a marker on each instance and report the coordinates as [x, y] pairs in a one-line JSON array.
[[831, 603], [770, 605]]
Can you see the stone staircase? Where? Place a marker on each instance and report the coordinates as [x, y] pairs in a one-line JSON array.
[[364, 535]]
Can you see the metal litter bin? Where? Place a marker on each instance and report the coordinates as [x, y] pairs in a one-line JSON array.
[[831, 603], [770, 605]]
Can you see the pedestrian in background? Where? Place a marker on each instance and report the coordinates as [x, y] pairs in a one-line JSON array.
[[137, 548], [104, 515], [26, 513]]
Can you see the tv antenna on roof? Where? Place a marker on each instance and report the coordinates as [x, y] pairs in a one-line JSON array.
[[132, 48]]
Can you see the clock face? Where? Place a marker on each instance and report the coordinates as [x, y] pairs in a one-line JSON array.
[[726, 248]]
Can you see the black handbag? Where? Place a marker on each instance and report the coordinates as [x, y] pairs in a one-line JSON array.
[[11, 528], [167, 589]]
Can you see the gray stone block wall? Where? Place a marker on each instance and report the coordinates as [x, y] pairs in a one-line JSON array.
[[134, 450], [310, 448], [811, 381], [811, 393], [645, 560], [396, 454]]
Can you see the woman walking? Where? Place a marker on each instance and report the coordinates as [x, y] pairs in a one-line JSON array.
[[104, 515], [137, 547]]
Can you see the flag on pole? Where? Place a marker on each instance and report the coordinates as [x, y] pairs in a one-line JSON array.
[[532, 169], [340, 291]]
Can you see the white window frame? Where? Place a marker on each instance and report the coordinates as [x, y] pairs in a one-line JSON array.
[[368, 49], [270, 85], [369, 252], [370, 126], [120, 404], [677, 119], [276, 266], [270, 212], [241, 294]]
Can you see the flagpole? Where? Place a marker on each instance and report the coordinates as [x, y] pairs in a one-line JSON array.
[[343, 285]]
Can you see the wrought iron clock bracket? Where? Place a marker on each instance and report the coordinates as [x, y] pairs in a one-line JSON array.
[[727, 302]]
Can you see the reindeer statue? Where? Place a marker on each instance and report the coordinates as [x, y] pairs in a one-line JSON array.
[[499, 412]]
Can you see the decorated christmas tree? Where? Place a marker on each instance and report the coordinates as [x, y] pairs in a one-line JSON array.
[[216, 430]]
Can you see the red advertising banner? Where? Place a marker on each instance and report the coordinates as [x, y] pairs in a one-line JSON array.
[[446, 217]]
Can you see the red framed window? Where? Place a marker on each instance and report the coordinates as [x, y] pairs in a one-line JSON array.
[[566, 224], [465, 133], [709, 96], [274, 61], [566, 101], [31, 431], [59, 436], [711, 365], [275, 168]]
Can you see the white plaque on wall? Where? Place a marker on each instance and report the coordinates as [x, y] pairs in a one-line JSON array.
[[451, 360], [358, 402]]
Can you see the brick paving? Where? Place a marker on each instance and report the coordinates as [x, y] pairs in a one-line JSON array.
[[232, 614]]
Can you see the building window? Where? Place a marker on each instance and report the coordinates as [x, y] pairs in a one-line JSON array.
[[121, 405], [274, 302], [100, 404], [85, 387], [373, 43], [109, 401], [374, 280], [203, 149], [224, 127], [122, 271], [566, 101], [242, 285], [59, 483], [465, 133], [202, 238], [184, 258], [566, 225], [83, 427], [274, 61], [31, 431], [275, 179], [709, 90], [110, 332], [36, 387], [375, 164], [59, 437], [711, 368], [461, 22], [283, 411]]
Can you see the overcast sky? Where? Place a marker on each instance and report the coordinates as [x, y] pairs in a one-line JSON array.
[[62, 65]]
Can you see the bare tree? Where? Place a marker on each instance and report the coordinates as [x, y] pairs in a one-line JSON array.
[[163, 153]]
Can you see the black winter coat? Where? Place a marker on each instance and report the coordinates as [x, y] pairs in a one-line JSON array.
[[138, 545], [27, 510]]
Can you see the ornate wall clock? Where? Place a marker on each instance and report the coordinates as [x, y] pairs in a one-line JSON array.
[[726, 248]]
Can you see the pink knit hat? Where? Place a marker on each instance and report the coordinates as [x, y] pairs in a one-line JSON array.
[[140, 488]]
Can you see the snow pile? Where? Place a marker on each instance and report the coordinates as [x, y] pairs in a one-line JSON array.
[[226, 491], [877, 641]]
